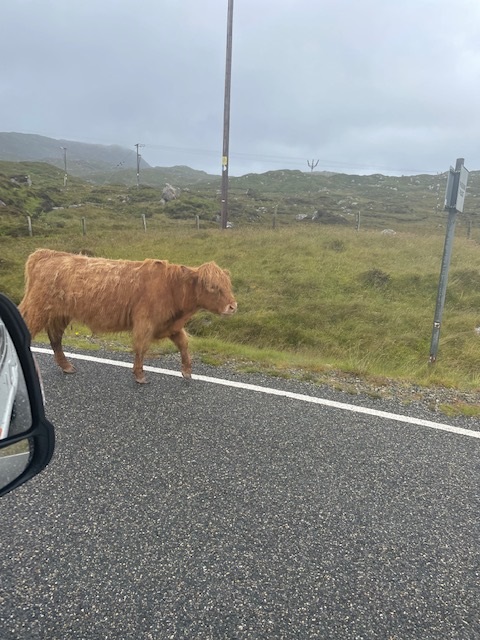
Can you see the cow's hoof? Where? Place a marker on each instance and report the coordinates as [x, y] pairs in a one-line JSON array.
[[187, 376], [141, 380], [69, 369]]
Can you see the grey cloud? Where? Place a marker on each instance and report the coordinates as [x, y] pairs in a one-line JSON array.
[[385, 84]]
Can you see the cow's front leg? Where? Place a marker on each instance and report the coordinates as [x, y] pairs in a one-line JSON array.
[[138, 371], [180, 339]]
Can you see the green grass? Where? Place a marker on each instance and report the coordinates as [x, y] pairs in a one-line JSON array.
[[311, 299]]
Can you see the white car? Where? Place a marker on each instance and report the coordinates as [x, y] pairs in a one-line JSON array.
[[8, 381], [27, 438]]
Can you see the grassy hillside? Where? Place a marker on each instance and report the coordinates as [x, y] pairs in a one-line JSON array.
[[407, 203], [315, 296], [413, 204], [404, 204], [155, 177]]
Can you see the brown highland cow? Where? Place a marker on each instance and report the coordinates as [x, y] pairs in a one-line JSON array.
[[153, 299]]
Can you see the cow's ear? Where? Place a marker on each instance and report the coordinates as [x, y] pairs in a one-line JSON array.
[[188, 273]]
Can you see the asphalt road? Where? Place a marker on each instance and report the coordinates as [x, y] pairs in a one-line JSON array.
[[198, 510]]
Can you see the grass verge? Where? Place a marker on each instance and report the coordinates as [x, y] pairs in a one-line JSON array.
[[312, 301]]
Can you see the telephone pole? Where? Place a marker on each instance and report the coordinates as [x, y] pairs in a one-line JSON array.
[[226, 116], [138, 162]]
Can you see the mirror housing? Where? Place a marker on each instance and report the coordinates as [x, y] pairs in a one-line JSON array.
[[40, 436]]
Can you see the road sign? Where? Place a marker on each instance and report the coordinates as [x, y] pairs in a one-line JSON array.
[[462, 189], [456, 188]]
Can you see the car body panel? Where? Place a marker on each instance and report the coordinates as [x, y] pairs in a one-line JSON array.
[[8, 380]]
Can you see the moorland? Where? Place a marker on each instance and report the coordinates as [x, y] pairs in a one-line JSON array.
[[336, 275]]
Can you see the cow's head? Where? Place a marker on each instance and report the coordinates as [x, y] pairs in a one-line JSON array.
[[214, 290]]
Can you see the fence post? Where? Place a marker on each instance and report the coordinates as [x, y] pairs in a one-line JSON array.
[[197, 218], [29, 222], [144, 222], [84, 226]]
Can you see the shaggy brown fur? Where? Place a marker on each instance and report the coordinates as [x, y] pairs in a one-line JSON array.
[[153, 299]]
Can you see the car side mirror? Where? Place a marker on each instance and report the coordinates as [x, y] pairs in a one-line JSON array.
[[27, 438]]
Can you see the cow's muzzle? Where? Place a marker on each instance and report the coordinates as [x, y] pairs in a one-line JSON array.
[[230, 309]]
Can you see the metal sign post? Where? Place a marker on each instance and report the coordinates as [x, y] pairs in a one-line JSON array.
[[454, 201]]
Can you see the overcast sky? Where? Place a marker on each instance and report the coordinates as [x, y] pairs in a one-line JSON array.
[[362, 86]]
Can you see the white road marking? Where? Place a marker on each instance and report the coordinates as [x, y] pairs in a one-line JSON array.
[[277, 392]]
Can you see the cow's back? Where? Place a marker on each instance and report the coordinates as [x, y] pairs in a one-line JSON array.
[[98, 292]]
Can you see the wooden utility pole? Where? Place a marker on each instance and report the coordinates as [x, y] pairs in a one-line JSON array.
[[65, 175], [138, 162], [226, 117]]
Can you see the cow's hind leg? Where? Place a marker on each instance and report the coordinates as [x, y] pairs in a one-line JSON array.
[[180, 339], [35, 320], [55, 332], [142, 336]]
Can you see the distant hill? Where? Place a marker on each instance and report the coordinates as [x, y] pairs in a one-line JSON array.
[[82, 159], [96, 163]]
